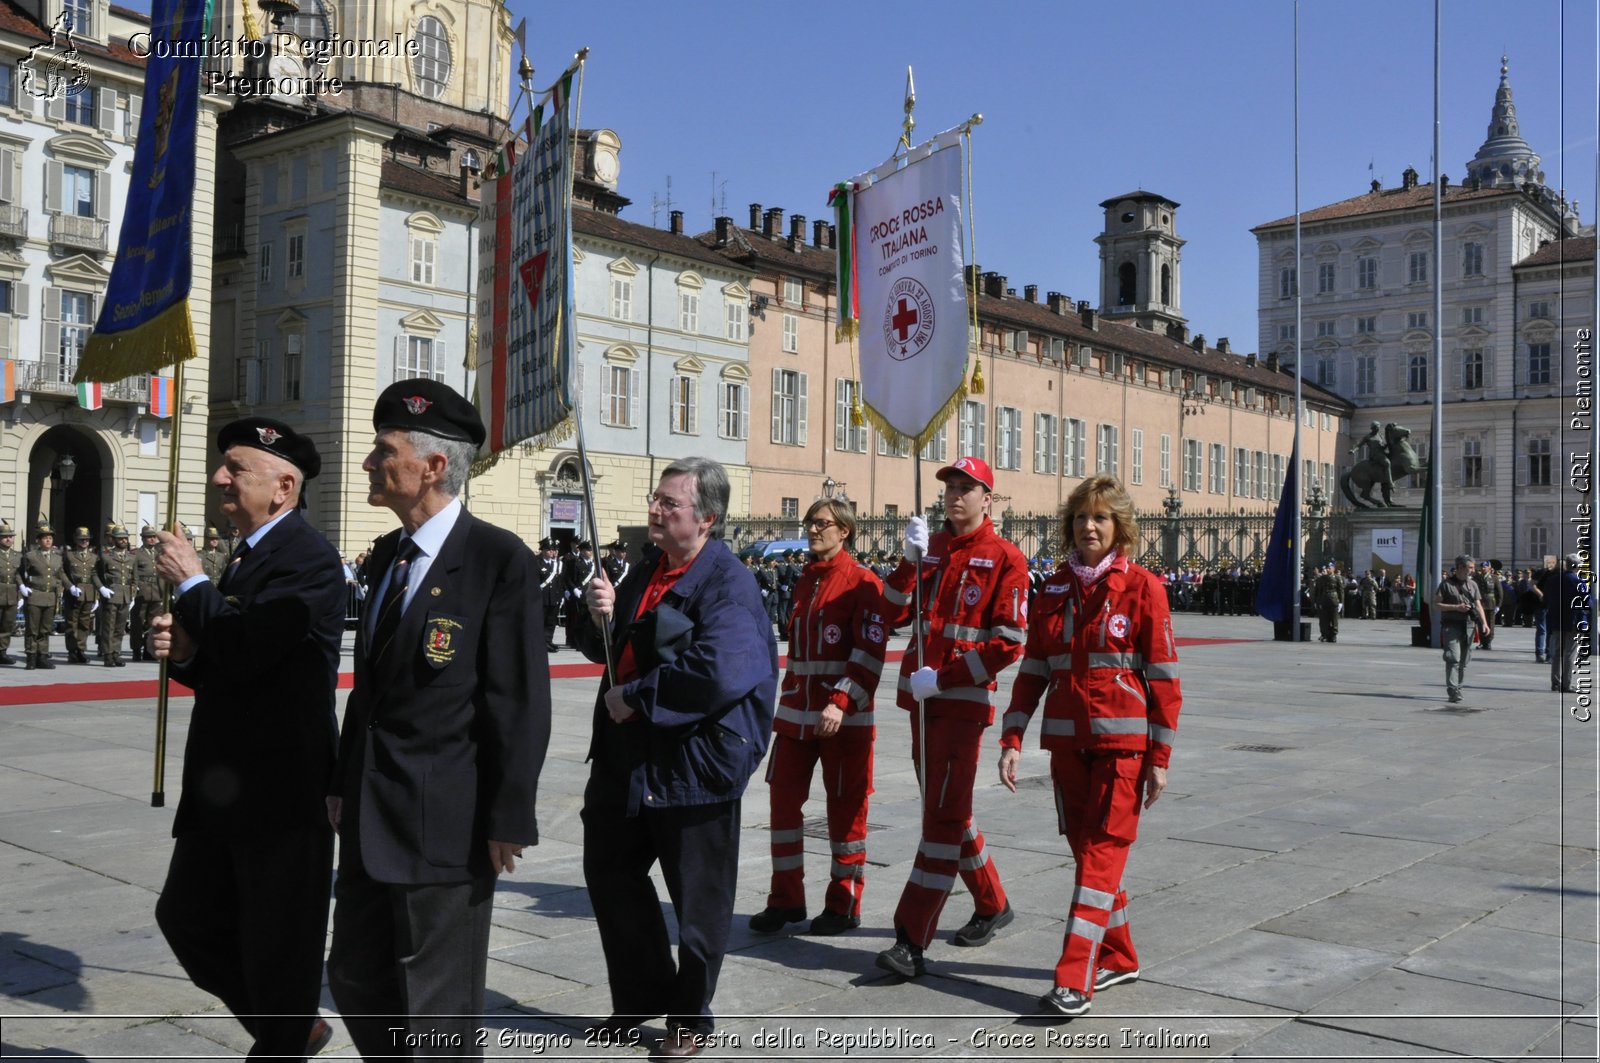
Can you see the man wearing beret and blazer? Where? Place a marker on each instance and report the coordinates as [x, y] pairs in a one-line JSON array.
[[245, 903], [444, 737]]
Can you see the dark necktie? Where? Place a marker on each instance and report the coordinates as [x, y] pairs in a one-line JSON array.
[[233, 566], [393, 599]]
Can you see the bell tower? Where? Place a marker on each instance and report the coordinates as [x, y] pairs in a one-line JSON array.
[[1139, 257]]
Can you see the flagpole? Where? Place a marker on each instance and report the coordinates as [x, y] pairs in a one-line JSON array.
[[158, 794], [1435, 483], [907, 124], [584, 472], [1298, 560]]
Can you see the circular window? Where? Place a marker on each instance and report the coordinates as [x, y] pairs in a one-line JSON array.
[[430, 68]]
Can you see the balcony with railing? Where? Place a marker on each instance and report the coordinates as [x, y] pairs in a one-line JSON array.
[[70, 230], [13, 221], [54, 377]]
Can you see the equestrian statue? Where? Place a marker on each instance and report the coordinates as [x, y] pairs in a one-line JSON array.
[[1389, 456]]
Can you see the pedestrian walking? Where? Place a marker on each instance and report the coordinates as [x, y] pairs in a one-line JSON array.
[[836, 642], [245, 902], [974, 588], [443, 741], [1571, 608], [1461, 616], [1102, 658]]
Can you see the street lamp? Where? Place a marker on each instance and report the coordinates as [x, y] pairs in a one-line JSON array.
[[66, 468], [1173, 503]]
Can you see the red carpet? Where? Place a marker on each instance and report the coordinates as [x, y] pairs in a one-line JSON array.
[[128, 689]]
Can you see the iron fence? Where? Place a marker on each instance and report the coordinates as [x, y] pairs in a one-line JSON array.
[[1208, 540]]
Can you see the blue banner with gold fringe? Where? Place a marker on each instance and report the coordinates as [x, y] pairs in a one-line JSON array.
[[144, 323]]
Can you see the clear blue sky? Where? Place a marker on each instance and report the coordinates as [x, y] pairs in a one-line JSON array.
[[1081, 101]]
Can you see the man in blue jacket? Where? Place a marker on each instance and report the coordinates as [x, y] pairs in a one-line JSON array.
[[1567, 602], [680, 724]]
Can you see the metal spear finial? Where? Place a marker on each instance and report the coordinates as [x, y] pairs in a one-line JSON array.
[[911, 104]]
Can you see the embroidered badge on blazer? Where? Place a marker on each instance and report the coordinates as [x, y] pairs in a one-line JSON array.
[[439, 640]]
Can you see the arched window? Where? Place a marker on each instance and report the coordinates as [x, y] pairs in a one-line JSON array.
[[1127, 284], [430, 68]]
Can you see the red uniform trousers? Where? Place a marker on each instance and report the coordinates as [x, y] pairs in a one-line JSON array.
[[1097, 801], [951, 844], [847, 781]]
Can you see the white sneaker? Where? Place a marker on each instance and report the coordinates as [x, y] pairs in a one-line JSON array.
[[1064, 1001], [1105, 978]]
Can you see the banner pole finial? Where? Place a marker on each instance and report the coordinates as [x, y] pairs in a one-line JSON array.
[[910, 122]]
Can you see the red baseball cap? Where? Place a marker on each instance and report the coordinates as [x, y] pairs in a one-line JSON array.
[[976, 468]]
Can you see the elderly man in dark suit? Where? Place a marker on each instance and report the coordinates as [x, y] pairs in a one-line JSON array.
[[444, 737], [679, 726], [245, 904]]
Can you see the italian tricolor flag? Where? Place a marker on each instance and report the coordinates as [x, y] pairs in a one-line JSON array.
[[89, 394]]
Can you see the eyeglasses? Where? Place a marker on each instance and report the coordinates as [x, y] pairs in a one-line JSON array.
[[667, 505], [821, 525]]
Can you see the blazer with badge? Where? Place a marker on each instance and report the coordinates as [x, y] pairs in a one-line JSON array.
[[261, 740], [708, 673], [444, 739]]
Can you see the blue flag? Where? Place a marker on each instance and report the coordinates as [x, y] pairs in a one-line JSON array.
[[1275, 594]]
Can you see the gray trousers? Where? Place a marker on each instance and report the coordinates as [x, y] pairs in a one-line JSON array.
[[1562, 646], [1457, 641]]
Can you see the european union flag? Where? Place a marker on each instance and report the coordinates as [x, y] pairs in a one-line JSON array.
[[1275, 595]]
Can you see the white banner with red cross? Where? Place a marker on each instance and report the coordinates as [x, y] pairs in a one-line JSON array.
[[912, 299]]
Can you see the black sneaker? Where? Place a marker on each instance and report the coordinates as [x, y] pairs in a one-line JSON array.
[[1064, 1001], [830, 923], [905, 960], [772, 920], [980, 928], [1105, 978]]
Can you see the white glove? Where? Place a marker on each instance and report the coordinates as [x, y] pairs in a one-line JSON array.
[[105, 592], [915, 542], [27, 591], [77, 591], [95, 608], [924, 681]]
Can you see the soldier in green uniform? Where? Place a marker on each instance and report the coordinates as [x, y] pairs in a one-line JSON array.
[[1369, 595], [43, 582], [146, 592], [81, 601], [10, 562], [213, 559], [1328, 592], [113, 578], [1488, 581]]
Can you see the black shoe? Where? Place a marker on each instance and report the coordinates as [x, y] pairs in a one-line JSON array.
[[980, 928], [905, 959], [33, 661], [1063, 1001], [108, 662], [45, 661], [119, 662], [6, 658], [771, 920], [830, 923], [321, 1034]]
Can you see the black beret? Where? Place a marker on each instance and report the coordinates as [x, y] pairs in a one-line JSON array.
[[421, 405], [274, 437]]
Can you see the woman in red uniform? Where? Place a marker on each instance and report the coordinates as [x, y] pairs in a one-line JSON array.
[[836, 644], [1101, 654]]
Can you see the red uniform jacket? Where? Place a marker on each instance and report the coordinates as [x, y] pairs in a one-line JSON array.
[[837, 638], [975, 601], [1105, 663]]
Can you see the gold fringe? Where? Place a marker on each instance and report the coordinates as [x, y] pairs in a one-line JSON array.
[[846, 330], [977, 375], [857, 419], [894, 437], [166, 339], [546, 440]]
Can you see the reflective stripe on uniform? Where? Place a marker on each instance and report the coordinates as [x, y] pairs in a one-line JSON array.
[[894, 597], [1011, 634], [781, 837], [1034, 666], [941, 883], [816, 667], [1094, 898], [1085, 929], [846, 848], [1119, 917], [1018, 720], [1161, 671], [968, 634], [1061, 662], [863, 659], [975, 861], [980, 674], [1059, 728], [788, 863], [979, 694], [939, 850], [1117, 725], [1164, 735], [1116, 660], [801, 717], [852, 690], [838, 870]]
